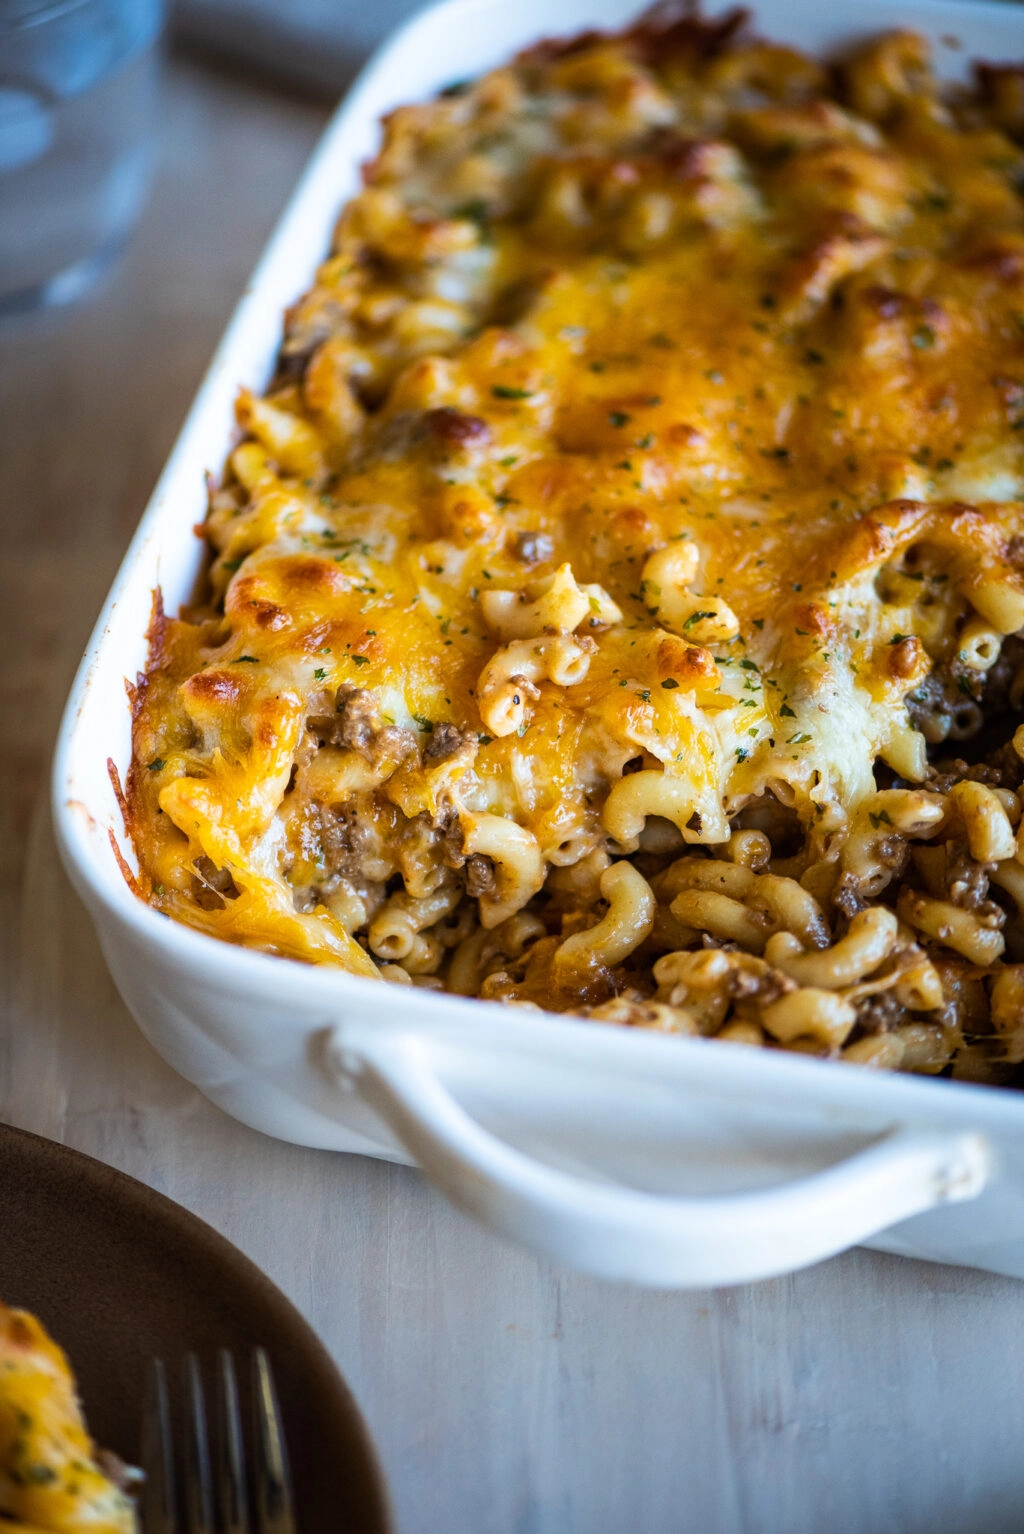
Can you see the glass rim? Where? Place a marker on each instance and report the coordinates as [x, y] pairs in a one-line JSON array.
[[35, 13]]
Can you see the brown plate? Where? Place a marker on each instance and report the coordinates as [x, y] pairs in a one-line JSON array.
[[119, 1275]]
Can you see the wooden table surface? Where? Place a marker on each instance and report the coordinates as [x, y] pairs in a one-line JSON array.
[[871, 1394]]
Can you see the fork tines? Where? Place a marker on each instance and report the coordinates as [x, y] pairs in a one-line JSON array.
[[216, 1494]]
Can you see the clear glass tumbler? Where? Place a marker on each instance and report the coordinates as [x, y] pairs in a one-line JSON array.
[[77, 106]]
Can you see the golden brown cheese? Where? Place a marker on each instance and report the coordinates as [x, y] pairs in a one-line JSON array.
[[49, 1476], [643, 476]]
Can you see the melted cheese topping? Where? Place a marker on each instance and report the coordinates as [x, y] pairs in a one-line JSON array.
[[722, 344], [49, 1478]]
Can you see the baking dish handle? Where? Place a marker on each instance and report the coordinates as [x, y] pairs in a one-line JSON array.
[[624, 1233]]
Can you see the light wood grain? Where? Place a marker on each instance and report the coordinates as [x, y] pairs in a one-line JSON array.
[[869, 1396]]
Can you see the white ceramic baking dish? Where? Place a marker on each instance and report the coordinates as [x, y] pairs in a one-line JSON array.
[[650, 1159]]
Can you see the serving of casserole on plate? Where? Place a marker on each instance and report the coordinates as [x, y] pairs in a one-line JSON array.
[[611, 596], [105, 1274], [51, 1476]]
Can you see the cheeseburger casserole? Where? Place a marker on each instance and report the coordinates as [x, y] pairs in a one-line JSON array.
[[616, 599]]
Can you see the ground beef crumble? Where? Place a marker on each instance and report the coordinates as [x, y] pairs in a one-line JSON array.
[[357, 718], [966, 880], [879, 1013], [446, 742], [479, 875]]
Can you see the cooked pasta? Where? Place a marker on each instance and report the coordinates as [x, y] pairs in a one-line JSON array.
[[616, 599]]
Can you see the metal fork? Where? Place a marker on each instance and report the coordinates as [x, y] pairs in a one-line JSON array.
[[225, 1468]]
